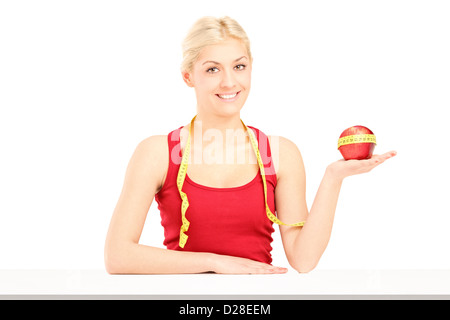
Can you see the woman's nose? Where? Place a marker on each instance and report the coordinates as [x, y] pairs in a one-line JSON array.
[[227, 80]]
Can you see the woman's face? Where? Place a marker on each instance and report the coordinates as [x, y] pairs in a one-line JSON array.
[[221, 77]]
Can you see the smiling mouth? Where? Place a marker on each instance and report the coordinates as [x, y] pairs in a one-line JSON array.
[[228, 96]]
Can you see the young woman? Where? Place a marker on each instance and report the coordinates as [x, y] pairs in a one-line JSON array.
[[230, 193]]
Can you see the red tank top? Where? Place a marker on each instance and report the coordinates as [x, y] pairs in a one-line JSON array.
[[228, 221]]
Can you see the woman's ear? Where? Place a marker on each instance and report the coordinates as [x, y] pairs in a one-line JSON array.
[[187, 78]]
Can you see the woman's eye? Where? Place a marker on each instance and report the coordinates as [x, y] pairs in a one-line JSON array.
[[239, 67], [212, 70]]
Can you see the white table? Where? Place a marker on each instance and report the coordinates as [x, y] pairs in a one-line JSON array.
[[30, 284]]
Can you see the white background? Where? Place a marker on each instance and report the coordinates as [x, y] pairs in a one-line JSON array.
[[83, 82]]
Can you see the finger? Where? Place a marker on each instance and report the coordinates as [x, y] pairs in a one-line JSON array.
[[279, 270], [275, 270], [392, 153], [369, 164], [258, 267], [264, 268], [389, 154], [378, 159]]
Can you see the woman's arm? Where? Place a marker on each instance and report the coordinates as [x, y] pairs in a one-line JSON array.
[[144, 177], [124, 255], [305, 245]]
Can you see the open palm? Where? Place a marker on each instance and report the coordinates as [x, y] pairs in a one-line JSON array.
[[344, 168]]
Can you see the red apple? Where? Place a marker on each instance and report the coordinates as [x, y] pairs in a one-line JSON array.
[[357, 143]]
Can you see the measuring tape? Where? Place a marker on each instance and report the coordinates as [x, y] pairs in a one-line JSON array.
[[182, 176], [357, 138]]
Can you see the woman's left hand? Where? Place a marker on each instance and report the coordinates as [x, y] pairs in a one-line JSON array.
[[344, 168]]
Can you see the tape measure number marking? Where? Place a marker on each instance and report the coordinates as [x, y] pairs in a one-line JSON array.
[[357, 138]]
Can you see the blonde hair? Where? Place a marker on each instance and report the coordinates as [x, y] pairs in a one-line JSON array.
[[209, 31]]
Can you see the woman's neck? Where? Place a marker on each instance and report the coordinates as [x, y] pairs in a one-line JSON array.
[[220, 139], [212, 122]]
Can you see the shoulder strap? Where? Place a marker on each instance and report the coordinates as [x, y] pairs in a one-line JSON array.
[[266, 154]]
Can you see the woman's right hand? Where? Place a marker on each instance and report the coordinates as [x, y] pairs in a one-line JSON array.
[[234, 265]]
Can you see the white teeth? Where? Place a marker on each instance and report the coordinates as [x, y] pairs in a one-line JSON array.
[[227, 96]]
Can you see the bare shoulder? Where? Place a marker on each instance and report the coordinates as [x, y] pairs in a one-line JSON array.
[[153, 143], [285, 155], [150, 160], [153, 149], [286, 146]]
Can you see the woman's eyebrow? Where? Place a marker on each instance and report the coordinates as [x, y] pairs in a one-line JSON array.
[[209, 61], [240, 58], [215, 62]]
